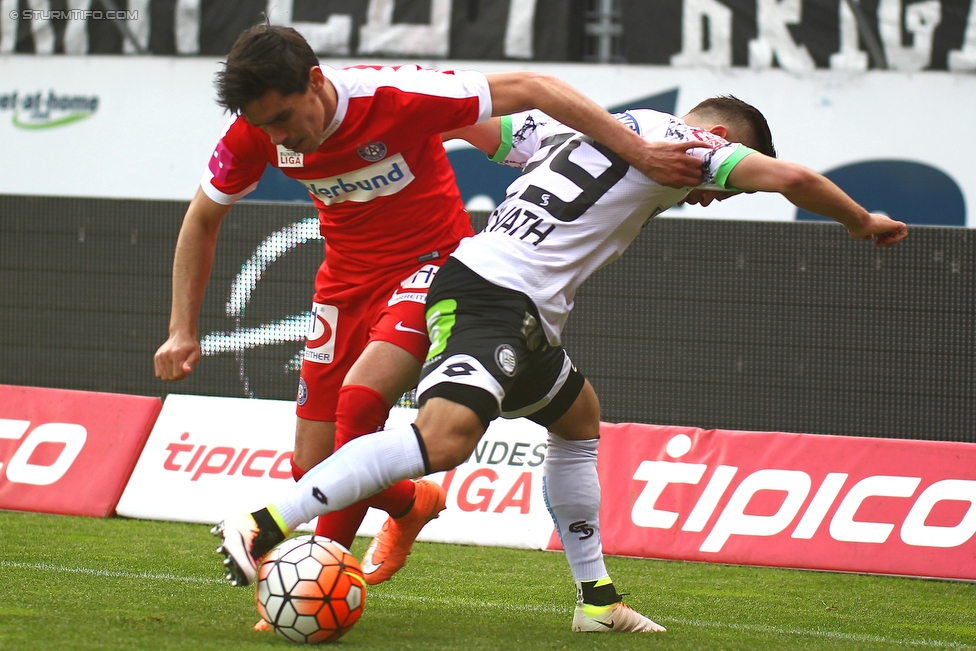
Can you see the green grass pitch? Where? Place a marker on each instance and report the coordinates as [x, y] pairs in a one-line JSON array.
[[82, 583]]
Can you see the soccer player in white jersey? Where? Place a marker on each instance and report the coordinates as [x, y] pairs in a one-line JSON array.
[[365, 141], [496, 310]]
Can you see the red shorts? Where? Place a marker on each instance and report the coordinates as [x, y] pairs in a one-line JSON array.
[[344, 321]]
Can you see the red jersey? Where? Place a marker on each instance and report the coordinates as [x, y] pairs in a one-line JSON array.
[[381, 180]]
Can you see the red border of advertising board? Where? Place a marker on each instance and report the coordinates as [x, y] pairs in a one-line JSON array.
[[69, 452], [881, 506]]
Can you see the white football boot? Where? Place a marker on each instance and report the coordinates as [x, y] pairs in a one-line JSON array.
[[615, 618], [237, 536]]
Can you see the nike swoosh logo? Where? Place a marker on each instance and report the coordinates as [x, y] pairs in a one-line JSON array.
[[402, 328], [610, 625], [367, 565]]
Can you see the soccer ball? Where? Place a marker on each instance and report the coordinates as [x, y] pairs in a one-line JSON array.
[[310, 589]]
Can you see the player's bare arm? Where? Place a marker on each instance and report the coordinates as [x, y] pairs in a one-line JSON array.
[[485, 136], [193, 261], [665, 162], [816, 193]]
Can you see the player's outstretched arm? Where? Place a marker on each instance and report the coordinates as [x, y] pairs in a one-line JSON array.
[[486, 136], [816, 193], [192, 263], [665, 162]]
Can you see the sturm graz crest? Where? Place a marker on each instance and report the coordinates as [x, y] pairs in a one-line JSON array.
[[372, 152], [506, 359]]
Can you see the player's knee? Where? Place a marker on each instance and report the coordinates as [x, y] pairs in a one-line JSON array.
[[447, 453], [576, 429], [582, 420], [307, 459], [450, 432], [314, 442]]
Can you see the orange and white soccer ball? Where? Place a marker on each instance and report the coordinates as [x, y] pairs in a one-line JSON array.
[[311, 590]]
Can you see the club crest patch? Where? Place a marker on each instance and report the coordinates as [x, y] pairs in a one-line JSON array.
[[372, 152], [506, 359]]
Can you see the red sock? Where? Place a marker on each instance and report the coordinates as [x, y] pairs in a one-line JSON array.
[[296, 472], [361, 410], [395, 500], [341, 526]]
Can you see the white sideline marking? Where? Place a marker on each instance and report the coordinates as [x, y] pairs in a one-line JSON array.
[[477, 603], [46, 567], [829, 635]]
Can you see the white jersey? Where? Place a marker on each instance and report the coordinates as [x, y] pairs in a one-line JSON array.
[[577, 206]]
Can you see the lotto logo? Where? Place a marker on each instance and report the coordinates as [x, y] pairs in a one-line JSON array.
[[45, 454]]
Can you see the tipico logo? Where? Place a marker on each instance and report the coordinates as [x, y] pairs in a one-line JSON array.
[[40, 111]]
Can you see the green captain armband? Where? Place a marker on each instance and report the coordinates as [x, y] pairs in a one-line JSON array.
[[506, 146], [722, 176]]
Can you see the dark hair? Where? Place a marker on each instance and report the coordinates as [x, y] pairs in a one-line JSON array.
[[264, 57], [741, 118]]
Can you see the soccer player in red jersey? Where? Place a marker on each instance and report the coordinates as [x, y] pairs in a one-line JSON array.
[[365, 142]]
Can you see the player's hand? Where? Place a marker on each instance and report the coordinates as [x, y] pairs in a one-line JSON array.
[[883, 230], [669, 164], [176, 358]]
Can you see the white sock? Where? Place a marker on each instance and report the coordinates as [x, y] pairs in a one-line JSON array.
[[355, 471], [572, 491]]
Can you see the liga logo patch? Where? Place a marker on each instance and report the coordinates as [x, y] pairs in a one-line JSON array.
[[289, 158], [320, 340]]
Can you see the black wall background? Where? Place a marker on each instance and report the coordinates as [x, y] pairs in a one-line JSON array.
[[652, 29], [477, 26], [727, 324]]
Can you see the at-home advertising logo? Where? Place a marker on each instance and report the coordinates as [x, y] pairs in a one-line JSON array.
[[45, 111]]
